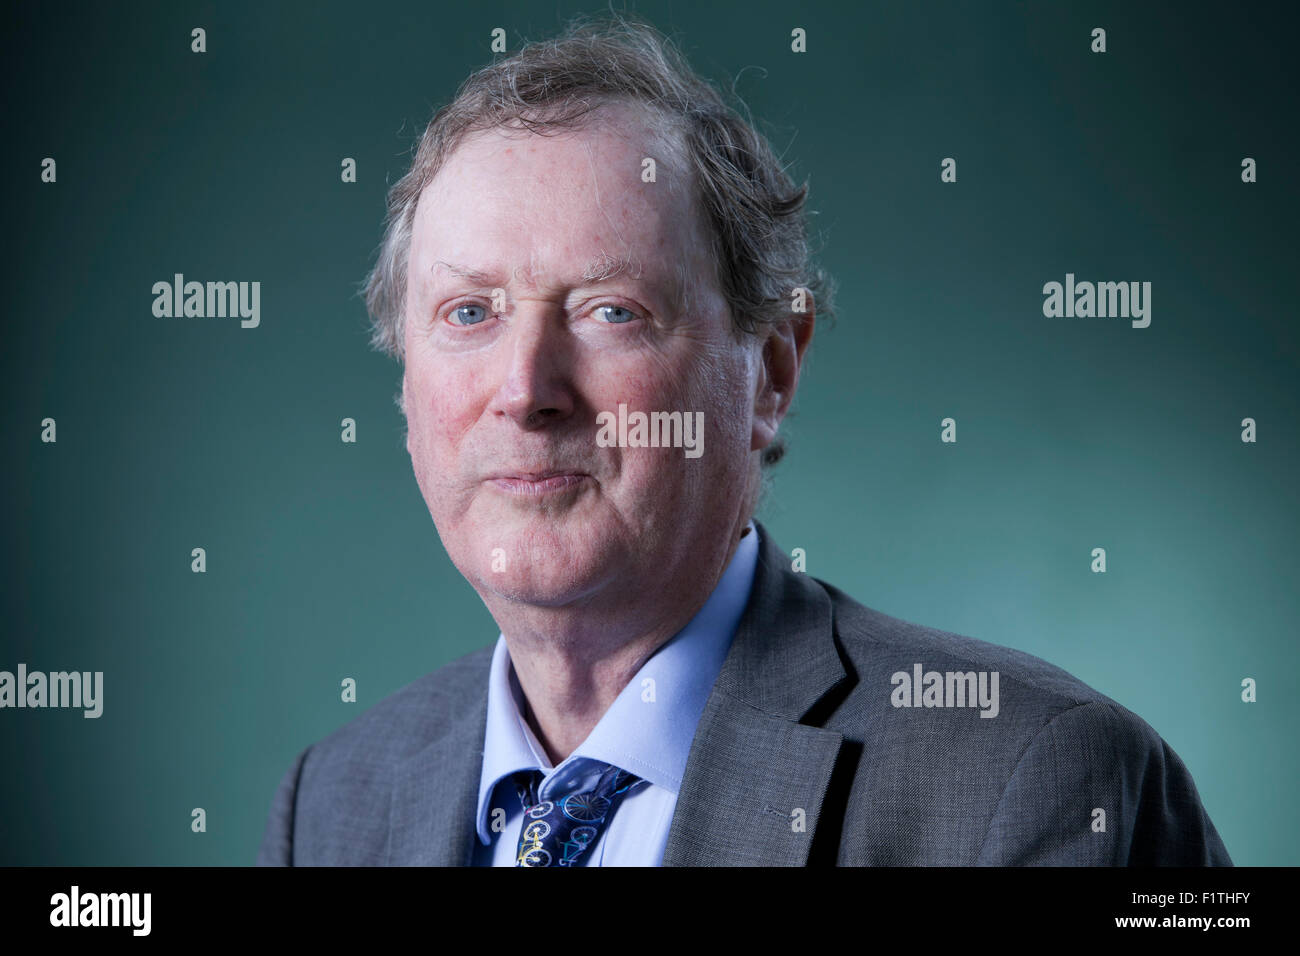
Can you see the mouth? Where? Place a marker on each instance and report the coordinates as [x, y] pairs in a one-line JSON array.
[[536, 483]]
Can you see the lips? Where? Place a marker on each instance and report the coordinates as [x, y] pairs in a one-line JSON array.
[[537, 482], [538, 475]]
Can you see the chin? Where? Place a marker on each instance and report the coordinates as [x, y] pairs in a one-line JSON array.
[[547, 567], [538, 557], [539, 592]]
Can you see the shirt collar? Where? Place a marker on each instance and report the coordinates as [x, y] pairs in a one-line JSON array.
[[649, 727]]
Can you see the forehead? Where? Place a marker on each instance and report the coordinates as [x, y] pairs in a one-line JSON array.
[[540, 202]]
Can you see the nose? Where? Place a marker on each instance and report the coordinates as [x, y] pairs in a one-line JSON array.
[[535, 389]]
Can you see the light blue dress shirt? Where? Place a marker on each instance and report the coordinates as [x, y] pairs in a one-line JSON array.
[[647, 730]]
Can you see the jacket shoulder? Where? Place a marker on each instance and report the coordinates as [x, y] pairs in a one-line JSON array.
[[331, 805], [408, 718], [1058, 760], [877, 640]]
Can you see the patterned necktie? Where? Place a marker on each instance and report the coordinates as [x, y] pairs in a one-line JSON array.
[[557, 832]]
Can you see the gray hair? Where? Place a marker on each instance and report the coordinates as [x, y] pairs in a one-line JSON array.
[[759, 239]]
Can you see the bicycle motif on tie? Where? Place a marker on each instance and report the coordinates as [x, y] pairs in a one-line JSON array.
[[583, 812]]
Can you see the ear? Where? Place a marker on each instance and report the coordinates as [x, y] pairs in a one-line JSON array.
[[400, 401], [778, 375]]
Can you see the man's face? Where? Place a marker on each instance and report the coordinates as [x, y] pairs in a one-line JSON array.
[[498, 392]]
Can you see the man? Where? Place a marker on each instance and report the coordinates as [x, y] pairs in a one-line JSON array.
[[588, 234]]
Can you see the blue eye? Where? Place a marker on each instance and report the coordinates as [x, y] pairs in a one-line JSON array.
[[618, 314], [461, 308]]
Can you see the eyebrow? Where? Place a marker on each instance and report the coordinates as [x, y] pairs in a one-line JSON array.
[[600, 268]]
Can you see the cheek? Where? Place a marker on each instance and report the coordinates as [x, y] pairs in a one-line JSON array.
[[721, 389], [441, 404], [684, 376], [438, 419], [714, 380]]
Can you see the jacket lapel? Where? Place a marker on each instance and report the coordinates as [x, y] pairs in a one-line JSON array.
[[756, 777], [436, 789]]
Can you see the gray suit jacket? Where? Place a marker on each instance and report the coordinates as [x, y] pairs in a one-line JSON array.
[[800, 757]]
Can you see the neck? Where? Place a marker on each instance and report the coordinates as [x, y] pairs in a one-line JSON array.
[[572, 662]]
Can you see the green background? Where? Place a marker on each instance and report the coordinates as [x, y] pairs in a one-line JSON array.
[[322, 559]]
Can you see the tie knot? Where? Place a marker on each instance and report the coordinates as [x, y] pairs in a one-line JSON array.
[[556, 831]]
